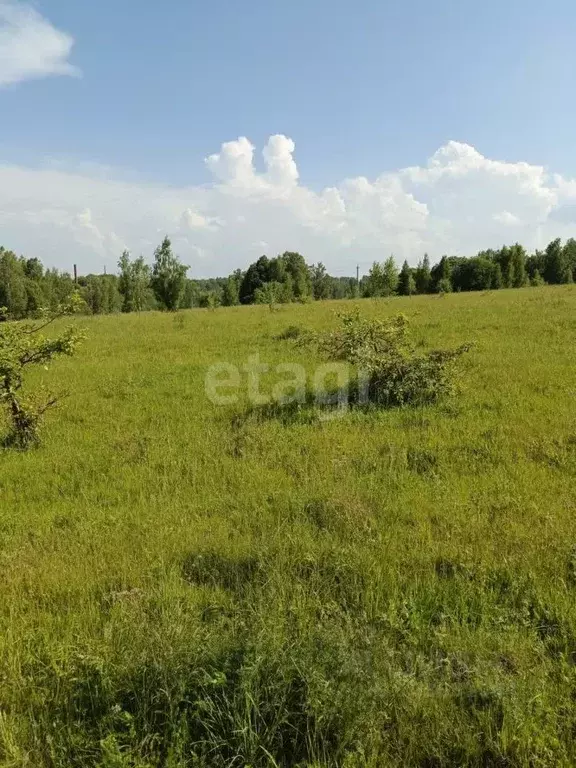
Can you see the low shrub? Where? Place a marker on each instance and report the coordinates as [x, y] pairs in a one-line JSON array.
[[392, 372], [23, 346]]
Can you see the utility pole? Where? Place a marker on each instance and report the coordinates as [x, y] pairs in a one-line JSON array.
[[358, 275], [75, 273]]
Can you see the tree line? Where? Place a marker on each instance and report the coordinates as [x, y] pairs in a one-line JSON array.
[[26, 287], [508, 267]]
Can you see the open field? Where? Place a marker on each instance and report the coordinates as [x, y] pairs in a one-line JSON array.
[[182, 586]]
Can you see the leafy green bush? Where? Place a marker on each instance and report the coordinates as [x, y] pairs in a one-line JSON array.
[[392, 372], [270, 293], [23, 345]]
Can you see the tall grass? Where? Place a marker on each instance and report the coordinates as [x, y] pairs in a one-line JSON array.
[[183, 586]]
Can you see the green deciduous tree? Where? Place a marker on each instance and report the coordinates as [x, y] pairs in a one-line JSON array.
[[382, 279], [299, 274], [209, 300], [555, 263], [134, 284], [288, 270], [231, 289], [168, 276], [570, 256], [321, 282], [256, 275], [101, 294], [13, 293], [33, 269], [503, 258], [518, 258], [476, 274], [390, 271], [270, 293], [373, 283], [497, 277], [535, 263], [441, 276], [58, 288]]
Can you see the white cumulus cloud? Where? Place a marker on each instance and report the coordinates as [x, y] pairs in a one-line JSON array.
[[457, 202], [234, 164], [278, 156], [30, 46]]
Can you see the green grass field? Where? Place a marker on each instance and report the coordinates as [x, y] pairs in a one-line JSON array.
[[182, 585]]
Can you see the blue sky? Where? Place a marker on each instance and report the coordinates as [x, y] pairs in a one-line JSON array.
[[116, 105]]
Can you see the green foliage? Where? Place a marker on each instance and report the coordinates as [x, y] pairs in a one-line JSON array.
[[289, 271], [406, 281], [554, 267], [23, 345], [390, 276], [512, 262], [269, 293], [423, 277], [382, 280], [298, 275], [444, 285], [134, 284], [570, 256], [26, 288], [101, 294], [476, 274], [441, 275], [256, 275], [209, 300], [231, 290], [190, 295], [395, 374], [34, 298], [168, 277], [518, 262], [34, 270], [13, 294], [497, 279], [322, 283]]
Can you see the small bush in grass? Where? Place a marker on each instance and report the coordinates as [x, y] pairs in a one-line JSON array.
[[394, 373]]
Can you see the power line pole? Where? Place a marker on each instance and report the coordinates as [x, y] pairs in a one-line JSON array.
[[358, 275]]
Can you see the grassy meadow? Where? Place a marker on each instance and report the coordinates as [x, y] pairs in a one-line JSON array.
[[185, 584]]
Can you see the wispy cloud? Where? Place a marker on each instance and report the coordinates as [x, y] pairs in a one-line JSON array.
[[30, 46]]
